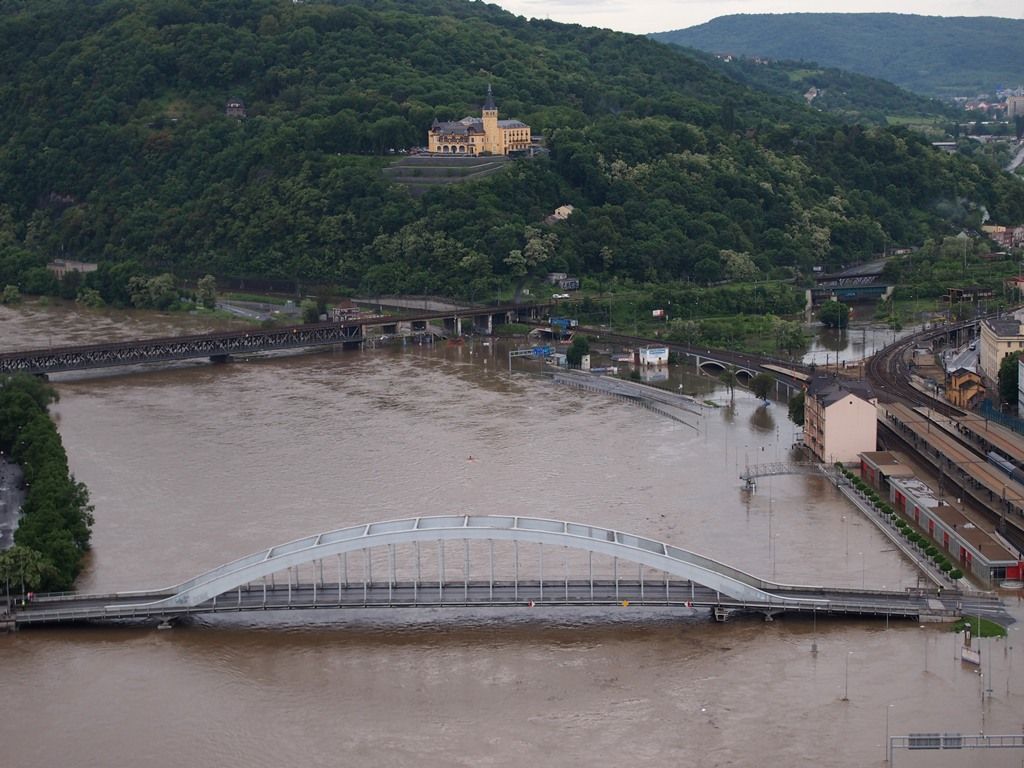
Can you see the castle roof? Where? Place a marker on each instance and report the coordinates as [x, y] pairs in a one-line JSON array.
[[465, 126], [489, 103]]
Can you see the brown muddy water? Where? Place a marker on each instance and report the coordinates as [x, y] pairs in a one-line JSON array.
[[196, 465]]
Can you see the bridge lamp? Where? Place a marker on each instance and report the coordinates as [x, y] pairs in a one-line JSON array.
[[886, 745], [846, 678]]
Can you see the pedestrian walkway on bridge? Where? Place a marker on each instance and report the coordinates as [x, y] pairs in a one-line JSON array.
[[506, 561]]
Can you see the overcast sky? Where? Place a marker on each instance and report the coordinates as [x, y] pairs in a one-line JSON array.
[[642, 16]]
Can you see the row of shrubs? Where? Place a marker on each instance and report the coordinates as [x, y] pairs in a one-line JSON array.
[[885, 510]]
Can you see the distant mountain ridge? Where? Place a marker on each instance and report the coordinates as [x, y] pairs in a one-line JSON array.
[[932, 55]]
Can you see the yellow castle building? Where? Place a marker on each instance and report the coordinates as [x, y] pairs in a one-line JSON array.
[[484, 135]]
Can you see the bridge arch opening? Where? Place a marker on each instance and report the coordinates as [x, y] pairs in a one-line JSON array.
[[378, 544], [712, 367]]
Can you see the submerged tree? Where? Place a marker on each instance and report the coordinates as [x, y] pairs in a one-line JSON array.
[[796, 409], [834, 314], [761, 385], [730, 379]]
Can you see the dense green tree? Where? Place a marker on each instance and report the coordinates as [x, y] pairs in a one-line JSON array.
[[158, 292], [22, 566], [834, 314], [729, 378], [761, 385], [1008, 380], [796, 408], [574, 355], [89, 297], [56, 515], [310, 311], [206, 291]]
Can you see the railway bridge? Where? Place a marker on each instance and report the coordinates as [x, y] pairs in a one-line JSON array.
[[498, 561], [222, 345]]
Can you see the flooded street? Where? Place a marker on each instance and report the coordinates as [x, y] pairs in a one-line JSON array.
[[196, 465]]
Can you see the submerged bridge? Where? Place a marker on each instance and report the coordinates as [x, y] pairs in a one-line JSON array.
[[499, 561], [222, 345], [776, 468]]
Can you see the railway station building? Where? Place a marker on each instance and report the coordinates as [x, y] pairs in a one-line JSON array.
[[977, 551]]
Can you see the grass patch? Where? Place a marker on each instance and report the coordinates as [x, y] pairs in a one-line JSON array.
[[512, 329], [254, 297], [988, 628]]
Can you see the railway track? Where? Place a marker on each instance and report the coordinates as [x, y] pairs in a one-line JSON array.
[[888, 372]]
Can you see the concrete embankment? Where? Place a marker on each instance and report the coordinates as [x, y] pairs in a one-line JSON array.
[[665, 403]]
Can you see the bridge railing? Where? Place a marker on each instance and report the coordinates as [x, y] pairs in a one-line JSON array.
[[638, 549]]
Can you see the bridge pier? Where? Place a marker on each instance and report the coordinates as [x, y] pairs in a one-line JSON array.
[[722, 614], [166, 622], [220, 359]]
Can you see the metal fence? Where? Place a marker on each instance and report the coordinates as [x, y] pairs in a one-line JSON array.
[[1010, 422]]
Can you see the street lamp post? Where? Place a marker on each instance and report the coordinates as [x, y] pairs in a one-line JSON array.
[[863, 578], [925, 648], [846, 677], [888, 751]]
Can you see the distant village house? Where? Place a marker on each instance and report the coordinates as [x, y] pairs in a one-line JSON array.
[[61, 267], [235, 108]]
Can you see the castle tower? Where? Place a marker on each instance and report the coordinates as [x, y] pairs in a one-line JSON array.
[[492, 136]]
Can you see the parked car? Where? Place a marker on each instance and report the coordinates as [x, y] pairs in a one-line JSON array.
[[560, 296]]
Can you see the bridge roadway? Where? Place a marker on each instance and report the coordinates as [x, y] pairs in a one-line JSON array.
[[910, 604], [221, 345]]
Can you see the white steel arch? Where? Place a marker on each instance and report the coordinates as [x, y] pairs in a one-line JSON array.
[[677, 562]]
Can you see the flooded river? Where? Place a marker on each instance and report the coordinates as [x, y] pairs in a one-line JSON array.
[[196, 465]]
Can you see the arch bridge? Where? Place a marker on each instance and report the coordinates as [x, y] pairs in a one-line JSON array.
[[318, 573]]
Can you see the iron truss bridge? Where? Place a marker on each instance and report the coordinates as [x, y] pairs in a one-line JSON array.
[[216, 346], [506, 562], [220, 346]]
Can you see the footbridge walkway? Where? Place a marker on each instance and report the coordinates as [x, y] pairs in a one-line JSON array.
[[542, 562], [773, 469]]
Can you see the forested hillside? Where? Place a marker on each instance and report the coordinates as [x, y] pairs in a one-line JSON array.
[[851, 97], [931, 55], [114, 146]]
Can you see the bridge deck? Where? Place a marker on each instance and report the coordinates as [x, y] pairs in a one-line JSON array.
[[220, 344], [501, 594]]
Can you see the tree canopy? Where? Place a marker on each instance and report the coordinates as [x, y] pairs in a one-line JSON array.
[[1007, 375], [115, 147], [54, 530], [926, 54]]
